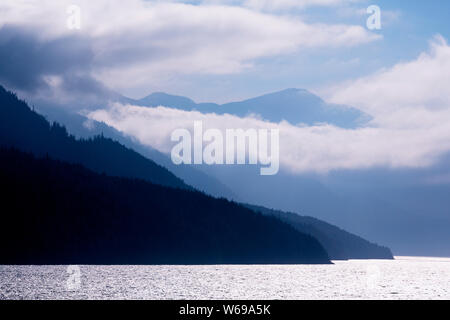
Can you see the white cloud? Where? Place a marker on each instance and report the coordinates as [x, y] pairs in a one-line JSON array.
[[289, 4], [276, 5], [410, 103], [143, 40], [412, 87], [302, 149]]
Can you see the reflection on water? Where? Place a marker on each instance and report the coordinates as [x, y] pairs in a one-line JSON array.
[[404, 278]]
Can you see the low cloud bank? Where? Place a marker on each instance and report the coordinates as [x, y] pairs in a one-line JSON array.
[[410, 103]]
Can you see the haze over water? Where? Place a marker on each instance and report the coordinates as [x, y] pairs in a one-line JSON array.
[[404, 278]]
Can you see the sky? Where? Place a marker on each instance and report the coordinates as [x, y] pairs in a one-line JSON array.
[[216, 50], [223, 51]]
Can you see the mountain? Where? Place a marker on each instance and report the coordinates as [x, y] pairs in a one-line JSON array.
[[297, 106], [26, 130], [340, 244], [122, 208], [192, 176], [60, 213], [82, 127], [20, 131], [163, 99], [407, 209]]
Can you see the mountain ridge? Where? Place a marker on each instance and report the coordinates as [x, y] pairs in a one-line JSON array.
[[60, 133], [61, 213], [23, 128], [340, 244], [297, 106], [85, 128]]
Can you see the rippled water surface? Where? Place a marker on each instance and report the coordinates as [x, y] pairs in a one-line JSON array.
[[404, 278]]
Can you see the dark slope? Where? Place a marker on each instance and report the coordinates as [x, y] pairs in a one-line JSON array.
[[76, 125], [26, 130], [340, 244], [59, 213]]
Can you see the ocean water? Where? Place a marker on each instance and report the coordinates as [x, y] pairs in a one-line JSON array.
[[404, 278]]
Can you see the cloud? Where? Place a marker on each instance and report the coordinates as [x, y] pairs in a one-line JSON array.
[[302, 149], [289, 4], [126, 46], [24, 60], [410, 103], [417, 86], [53, 70], [277, 5]]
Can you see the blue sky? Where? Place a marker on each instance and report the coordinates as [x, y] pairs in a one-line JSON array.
[[407, 28], [219, 50]]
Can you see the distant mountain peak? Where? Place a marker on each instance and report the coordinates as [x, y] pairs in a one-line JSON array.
[[297, 106], [168, 100], [294, 93], [293, 90], [294, 105]]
